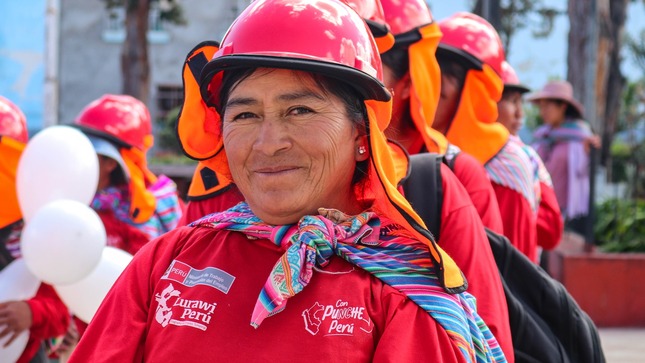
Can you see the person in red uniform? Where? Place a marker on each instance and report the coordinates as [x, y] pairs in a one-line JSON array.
[[410, 69], [44, 315], [550, 225], [324, 250], [470, 56], [134, 205]]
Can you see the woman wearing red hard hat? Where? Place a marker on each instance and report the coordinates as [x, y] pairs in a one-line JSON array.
[[411, 70], [510, 110], [324, 260], [44, 315], [470, 56]]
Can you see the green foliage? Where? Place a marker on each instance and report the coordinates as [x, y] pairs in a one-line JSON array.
[[166, 135], [620, 225]]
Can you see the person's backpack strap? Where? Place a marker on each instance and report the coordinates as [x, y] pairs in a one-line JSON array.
[[423, 188]]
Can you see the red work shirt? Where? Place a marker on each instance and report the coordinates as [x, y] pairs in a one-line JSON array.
[[50, 319], [520, 221], [550, 225], [121, 234], [474, 178], [463, 237], [188, 296]]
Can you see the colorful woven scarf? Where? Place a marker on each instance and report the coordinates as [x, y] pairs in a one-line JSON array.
[[384, 250], [512, 168], [167, 212]]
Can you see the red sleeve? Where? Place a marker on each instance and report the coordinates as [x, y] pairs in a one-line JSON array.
[[50, 319], [125, 308], [520, 225], [550, 225], [412, 335], [463, 237], [196, 209], [473, 177], [121, 234]]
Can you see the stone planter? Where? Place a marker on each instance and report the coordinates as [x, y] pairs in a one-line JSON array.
[[610, 287]]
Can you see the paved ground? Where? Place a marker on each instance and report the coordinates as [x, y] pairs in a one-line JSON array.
[[623, 345]]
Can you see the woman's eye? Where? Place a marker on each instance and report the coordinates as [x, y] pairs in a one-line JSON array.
[[243, 116], [300, 111]]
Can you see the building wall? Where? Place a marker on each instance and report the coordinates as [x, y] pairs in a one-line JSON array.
[[90, 66], [22, 47]]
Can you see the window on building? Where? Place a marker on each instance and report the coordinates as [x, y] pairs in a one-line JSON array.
[[169, 97], [114, 25]]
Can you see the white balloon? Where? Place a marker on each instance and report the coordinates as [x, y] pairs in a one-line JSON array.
[[17, 283], [11, 353], [83, 298], [58, 163], [63, 242]]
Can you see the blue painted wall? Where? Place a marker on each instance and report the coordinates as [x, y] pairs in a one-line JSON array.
[[22, 49]]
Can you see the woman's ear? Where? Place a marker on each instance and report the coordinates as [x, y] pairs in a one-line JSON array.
[[361, 148], [402, 87]]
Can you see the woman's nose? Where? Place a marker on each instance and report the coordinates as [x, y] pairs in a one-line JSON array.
[[272, 137]]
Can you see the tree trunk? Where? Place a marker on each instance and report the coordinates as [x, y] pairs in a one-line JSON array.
[[615, 79], [134, 57], [581, 63]]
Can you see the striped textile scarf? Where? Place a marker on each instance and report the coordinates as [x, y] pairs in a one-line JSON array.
[[167, 210], [386, 251], [511, 167]]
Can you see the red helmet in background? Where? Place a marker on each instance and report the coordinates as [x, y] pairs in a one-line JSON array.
[[510, 79], [406, 16], [120, 118], [472, 41], [13, 122], [372, 12]]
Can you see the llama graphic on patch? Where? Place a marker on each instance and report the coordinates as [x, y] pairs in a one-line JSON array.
[[164, 313]]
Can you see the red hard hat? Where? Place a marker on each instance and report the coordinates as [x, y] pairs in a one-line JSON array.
[[372, 12], [403, 16], [327, 38], [13, 122], [120, 118], [510, 79], [472, 40]]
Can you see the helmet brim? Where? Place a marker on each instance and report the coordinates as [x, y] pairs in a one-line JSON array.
[[367, 86], [464, 58]]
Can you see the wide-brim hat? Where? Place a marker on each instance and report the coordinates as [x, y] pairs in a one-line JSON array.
[[106, 148], [558, 90]]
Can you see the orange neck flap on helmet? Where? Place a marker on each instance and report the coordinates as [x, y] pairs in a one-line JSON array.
[[142, 201], [385, 174], [425, 89], [208, 179], [10, 151], [474, 128]]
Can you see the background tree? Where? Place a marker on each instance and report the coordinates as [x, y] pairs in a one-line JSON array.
[[593, 62], [509, 16], [135, 66]]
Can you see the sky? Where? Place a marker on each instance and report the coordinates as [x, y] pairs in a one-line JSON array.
[[538, 60]]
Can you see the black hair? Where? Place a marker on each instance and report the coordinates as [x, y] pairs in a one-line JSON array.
[[451, 68], [398, 60], [351, 98]]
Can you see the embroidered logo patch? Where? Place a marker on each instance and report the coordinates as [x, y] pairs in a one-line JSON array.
[[188, 276], [336, 319]]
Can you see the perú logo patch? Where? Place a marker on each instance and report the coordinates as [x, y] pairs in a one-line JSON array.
[[336, 319], [182, 312]]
